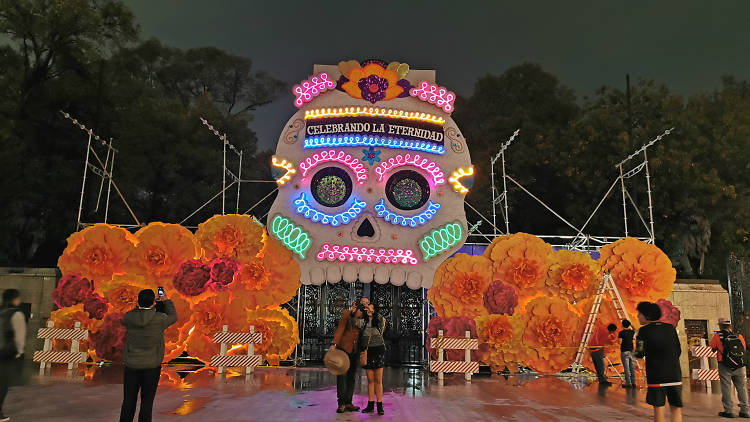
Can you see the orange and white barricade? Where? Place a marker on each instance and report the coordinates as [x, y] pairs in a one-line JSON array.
[[445, 343], [704, 373], [46, 357], [249, 361]]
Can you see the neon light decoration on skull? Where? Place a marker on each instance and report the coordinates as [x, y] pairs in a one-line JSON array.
[[370, 194]]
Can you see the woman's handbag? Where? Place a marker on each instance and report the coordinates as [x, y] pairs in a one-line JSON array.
[[363, 354]]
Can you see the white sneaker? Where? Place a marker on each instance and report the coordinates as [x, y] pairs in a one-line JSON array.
[[4, 418]]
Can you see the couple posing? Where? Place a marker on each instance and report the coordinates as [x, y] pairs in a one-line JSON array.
[[360, 335]]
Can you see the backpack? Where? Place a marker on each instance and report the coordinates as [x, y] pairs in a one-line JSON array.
[[7, 341], [733, 355]]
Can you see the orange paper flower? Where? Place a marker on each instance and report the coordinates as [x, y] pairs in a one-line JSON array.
[[271, 280], [460, 283], [97, 252], [520, 259], [160, 250], [502, 335], [280, 333], [641, 271], [121, 292], [572, 276], [230, 236], [551, 334]]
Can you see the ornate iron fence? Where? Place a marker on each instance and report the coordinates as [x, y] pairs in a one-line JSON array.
[[321, 307]]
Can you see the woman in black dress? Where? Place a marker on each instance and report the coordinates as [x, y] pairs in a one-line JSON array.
[[372, 340]]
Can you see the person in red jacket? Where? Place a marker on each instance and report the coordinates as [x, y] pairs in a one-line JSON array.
[[730, 351], [602, 337]]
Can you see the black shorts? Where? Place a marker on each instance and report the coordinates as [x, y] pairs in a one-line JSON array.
[[657, 396]]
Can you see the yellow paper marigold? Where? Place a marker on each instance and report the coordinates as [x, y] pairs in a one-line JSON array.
[[280, 333], [121, 291], [230, 236], [460, 283], [373, 82], [160, 250], [572, 275], [641, 271], [551, 332], [502, 335], [97, 252], [210, 315], [520, 259]]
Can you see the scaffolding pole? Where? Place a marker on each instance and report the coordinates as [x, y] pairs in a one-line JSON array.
[[83, 183]]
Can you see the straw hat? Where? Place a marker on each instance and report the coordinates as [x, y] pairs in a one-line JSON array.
[[337, 361]]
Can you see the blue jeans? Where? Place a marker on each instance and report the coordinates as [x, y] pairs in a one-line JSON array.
[[628, 366]]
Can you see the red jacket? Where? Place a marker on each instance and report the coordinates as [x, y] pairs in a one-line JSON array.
[[716, 345], [602, 337]]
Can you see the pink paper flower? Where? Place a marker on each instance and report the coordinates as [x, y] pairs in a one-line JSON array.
[[109, 339], [95, 305], [669, 313], [223, 272], [192, 278], [71, 290], [500, 298]]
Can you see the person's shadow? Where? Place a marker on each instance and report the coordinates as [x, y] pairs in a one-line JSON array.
[[630, 395]]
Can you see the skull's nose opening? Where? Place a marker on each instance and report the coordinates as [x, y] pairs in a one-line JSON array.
[[366, 229]]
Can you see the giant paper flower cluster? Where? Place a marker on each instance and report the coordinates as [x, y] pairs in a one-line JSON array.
[[228, 273], [528, 304]]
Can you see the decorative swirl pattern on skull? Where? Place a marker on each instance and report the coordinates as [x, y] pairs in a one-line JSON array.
[[294, 130], [440, 240], [398, 219], [356, 254], [408, 160], [344, 217], [291, 235], [434, 94], [456, 145], [308, 89], [353, 163]]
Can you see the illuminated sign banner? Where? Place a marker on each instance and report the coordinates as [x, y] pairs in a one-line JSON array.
[[400, 128]]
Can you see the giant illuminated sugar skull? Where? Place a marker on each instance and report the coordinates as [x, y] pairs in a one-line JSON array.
[[372, 173]]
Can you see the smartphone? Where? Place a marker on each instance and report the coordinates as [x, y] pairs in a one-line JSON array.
[[160, 291]]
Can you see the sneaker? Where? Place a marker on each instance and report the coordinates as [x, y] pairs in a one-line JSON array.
[[745, 415], [341, 409], [4, 418], [725, 415], [351, 408]]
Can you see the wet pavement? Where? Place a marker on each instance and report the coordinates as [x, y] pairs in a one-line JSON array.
[[309, 394]]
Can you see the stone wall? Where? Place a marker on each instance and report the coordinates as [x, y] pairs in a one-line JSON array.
[[698, 300], [36, 285]]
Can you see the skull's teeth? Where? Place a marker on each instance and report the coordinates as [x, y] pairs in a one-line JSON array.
[[364, 273]]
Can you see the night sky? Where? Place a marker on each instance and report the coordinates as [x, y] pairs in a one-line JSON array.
[[687, 45]]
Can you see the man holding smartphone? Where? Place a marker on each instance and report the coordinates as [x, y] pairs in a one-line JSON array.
[[144, 352]]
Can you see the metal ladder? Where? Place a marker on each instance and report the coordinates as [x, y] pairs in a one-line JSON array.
[[607, 285]]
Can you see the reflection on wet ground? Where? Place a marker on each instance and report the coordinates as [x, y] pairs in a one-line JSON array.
[[189, 393]]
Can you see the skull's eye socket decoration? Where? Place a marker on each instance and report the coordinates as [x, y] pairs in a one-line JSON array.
[[407, 190], [331, 187]]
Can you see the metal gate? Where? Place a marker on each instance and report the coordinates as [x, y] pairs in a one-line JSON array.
[[403, 309]]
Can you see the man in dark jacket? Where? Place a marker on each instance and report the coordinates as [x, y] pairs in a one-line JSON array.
[[345, 338], [144, 352], [658, 343]]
